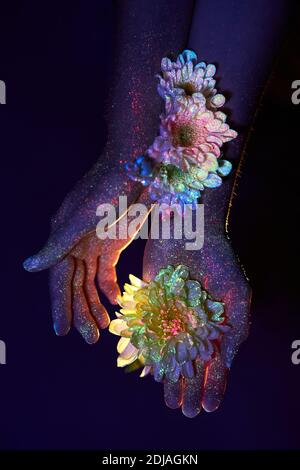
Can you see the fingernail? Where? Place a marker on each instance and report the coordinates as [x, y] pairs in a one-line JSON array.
[[212, 404], [61, 330], [191, 411]]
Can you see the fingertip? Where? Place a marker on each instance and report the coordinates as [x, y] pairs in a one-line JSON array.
[[38, 262], [210, 405], [93, 337], [172, 406], [87, 329], [31, 264], [191, 412], [89, 333], [61, 330]]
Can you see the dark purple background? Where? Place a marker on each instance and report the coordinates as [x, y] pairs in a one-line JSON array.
[[60, 393]]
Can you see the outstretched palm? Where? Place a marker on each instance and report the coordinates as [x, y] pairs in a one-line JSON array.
[[217, 268]]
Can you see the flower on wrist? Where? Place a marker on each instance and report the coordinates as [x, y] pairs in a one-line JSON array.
[[185, 77], [173, 186], [190, 133], [185, 158]]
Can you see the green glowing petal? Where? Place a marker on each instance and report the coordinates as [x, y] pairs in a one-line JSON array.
[[170, 322], [217, 309], [212, 181], [194, 293], [224, 168]]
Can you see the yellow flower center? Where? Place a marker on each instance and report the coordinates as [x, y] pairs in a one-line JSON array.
[[188, 87], [170, 321], [184, 135]]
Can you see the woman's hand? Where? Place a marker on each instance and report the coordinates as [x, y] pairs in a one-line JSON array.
[[219, 271], [76, 256], [74, 296]]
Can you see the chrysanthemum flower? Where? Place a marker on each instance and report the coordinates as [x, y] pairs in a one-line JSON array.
[[173, 186], [184, 158], [191, 135], [186, 78], [167, 324]]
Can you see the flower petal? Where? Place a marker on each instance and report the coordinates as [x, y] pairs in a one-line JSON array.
[[122, 344], [210, 70], [212, 181], [224, 168], [210, 163], [135, 281], [129, 351], [117, 326], [218, 100], [122, 362], [189, 55], [188, 370], [145, 371], [181, 353]]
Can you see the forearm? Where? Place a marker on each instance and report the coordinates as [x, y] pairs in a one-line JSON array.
[[242, 38], [146, 32]]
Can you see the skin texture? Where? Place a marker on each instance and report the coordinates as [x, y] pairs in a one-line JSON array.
[[219, 271], [76, 257], [216, 265], [74, 254], [78, 261], [74, 294], [244, 60]]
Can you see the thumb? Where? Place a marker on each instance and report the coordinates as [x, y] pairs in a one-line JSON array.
[[59, 244]]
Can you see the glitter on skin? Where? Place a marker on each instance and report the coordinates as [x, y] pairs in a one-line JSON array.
[[123, 144], [219, 272], [132, 121]]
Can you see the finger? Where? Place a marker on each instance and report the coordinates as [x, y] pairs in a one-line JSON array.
[[58, 246], [215, 384], [61, 295], [80, 222], [112, 248], [83, 320], [193, 391], [106, 273], [107, 280], [173, 394], [96, 308]]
